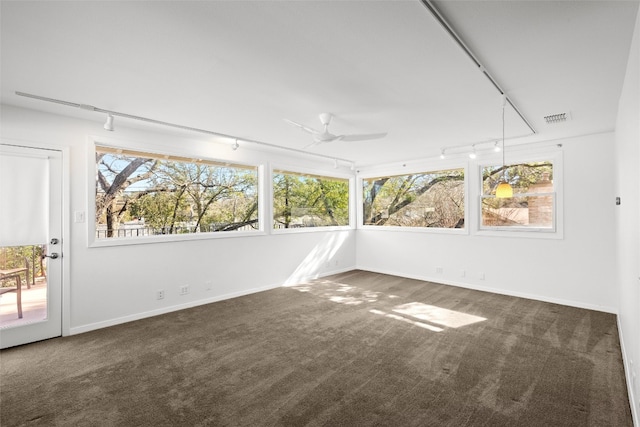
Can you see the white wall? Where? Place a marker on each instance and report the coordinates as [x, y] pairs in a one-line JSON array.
[[576, 270], [109, 285], [628, 219]]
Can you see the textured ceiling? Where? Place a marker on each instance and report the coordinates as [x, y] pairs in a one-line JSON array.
[[241, 68]]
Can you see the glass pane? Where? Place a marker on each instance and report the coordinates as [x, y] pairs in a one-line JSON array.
[[301, 201], [530, 211], [533, 177], [139, 194], [23, 285], [429, 199]]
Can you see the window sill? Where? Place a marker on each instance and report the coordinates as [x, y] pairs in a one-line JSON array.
[[532, 233], [393, 228], [126, 241], [277, 231]]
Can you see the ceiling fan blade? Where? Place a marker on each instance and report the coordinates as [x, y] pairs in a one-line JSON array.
[[303, 127], [313, 144], [325, 137], [362, 137]]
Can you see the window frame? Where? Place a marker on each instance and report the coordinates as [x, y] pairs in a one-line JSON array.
[[415, 169], [553, 232], [160, 151], [314, 172]]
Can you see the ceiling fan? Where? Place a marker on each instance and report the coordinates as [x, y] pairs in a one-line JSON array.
[[321, 137]]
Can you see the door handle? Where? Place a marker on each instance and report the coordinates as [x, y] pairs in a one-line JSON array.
[[53, 255]]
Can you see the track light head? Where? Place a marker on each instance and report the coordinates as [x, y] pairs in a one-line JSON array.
[[442, 156], [496, 147], [109, 123], [473, 155], [235, 145]]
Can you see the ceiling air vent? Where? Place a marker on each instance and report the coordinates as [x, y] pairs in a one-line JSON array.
[[556, 118]]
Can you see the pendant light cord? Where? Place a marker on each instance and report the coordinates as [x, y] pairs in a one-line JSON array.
[[503, 168]]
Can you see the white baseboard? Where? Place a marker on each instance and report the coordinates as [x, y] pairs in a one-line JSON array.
[[627, 369], [195, 303], [437, 279], [163, 310]]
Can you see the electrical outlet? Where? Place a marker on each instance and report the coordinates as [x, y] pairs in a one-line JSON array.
[[463, 273], [184, 290], [439, 270], [208, 285], [481, 276], [160, 294]]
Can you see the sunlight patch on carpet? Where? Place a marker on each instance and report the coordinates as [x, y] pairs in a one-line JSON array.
[[438, 315], [404, 319]]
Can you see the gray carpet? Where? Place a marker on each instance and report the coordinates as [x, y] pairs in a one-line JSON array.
[[355, 349]]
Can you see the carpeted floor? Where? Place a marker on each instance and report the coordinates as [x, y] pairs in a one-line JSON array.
[[355, 349]]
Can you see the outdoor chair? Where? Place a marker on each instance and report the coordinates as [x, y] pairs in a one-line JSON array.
[[15, 274]]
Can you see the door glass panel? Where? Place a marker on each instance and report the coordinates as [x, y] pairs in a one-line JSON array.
[[23, 285]]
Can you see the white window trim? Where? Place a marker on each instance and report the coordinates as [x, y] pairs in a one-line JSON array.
[[557, 230], [430, 167], [310, 171], [93, 242]]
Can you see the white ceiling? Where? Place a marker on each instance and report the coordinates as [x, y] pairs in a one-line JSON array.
[[241, 67]]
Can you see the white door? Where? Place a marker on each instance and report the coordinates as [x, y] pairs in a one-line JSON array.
[[31, 244]]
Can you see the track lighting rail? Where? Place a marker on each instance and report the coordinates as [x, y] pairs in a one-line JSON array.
[[235, 139], [456, 38]]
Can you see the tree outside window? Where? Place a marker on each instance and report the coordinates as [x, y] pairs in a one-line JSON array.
[[143, 194], [533, 201], [302, 200], [428, 199]]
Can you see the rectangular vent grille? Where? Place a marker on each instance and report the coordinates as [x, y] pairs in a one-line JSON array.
[[556, 118]]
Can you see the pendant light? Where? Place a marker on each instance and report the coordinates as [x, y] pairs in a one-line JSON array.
[[504, 190]]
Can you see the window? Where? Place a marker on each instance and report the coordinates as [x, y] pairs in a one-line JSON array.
[[427, 199], [303, 200], [533, 203], [142, 194]]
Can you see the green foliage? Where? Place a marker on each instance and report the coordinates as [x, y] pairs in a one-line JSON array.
[[303, 201], [171, 196], [21, 256], [159, 209]]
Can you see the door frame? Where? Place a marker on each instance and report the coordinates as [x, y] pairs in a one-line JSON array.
[[66, 215]]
